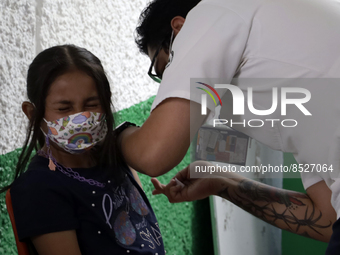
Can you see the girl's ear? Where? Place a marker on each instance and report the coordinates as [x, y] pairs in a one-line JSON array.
[[177, 23], [28, 108]]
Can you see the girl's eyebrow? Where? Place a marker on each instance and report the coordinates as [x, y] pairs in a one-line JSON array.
[[69, 102], [92, 98], [63, 102]]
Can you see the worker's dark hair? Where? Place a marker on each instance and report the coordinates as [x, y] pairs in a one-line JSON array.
[[154, 26]]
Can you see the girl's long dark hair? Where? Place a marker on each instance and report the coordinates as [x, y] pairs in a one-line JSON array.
[[45, 68]]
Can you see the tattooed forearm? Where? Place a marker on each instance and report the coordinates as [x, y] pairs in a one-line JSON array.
[[259, 192], [288, 210]]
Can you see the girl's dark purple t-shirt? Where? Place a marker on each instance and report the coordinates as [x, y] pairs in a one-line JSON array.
[[116, 219]]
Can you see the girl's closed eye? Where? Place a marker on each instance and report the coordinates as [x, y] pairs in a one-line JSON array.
[[91, 105], [63, 109]]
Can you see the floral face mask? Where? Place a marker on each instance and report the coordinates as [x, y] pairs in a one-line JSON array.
[[78, 132]]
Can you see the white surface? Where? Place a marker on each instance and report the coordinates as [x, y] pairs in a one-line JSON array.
[[17, 32], [238, 232], [106, 28]]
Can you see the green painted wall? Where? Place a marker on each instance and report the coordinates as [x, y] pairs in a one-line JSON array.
[[7, 166], [294, 244], [186, 227]]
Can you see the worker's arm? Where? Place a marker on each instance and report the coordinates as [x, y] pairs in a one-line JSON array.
[[310, 215], [163, 140]]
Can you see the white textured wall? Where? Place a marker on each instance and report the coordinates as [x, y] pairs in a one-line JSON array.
[[17, 33], [106, 28]]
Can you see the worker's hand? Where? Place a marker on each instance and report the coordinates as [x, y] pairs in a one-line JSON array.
[[194, 189]]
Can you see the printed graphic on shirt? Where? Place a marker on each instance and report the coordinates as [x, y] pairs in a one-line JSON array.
[[113, 202], [124, 230], [128, 216], [137, 202], [152, 238]]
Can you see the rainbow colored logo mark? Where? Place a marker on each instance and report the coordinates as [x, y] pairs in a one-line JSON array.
[[204, 97]]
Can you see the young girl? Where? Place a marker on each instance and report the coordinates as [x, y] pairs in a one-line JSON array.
[[77, 196]]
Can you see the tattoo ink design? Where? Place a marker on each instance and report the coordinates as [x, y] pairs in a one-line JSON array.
[[264, 193], [250, 192]]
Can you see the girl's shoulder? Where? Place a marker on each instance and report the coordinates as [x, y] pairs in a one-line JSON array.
[[42, 203], [37, 177]]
